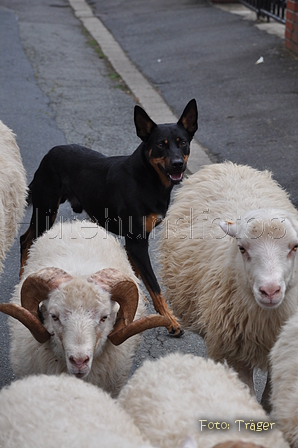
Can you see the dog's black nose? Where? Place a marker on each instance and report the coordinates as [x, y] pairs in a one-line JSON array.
[[177, 164]]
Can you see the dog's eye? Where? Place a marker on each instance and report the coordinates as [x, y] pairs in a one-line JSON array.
[[161, 145], [182, 143]]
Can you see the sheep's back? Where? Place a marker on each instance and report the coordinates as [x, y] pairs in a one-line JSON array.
[[80, 248], [168, 397], [240, 187], [63, 411]]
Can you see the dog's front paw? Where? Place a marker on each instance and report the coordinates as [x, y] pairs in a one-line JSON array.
[[174, 328], [176, 332]]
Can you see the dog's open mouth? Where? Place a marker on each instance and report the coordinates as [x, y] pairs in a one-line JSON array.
[[175, 177]]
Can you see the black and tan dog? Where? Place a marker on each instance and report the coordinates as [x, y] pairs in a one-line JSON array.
[[128, 195]]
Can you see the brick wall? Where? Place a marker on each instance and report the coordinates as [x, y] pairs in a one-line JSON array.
[[291, 33]]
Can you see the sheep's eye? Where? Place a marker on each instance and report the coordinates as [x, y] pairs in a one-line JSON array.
[[242, 250], [104, 318], [295, 248], [54, 317]]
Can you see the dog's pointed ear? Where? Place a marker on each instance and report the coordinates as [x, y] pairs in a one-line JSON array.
[[189, 118], [144, 124]]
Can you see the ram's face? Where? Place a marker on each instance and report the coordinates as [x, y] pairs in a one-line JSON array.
[[80, 317], [269, 267], [267, 243]]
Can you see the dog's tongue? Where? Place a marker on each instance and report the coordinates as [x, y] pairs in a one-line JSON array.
[[176, 176]]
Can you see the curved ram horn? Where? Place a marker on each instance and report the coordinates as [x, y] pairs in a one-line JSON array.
[[39, 332], [119, 335], [124, 291], [35, 289]]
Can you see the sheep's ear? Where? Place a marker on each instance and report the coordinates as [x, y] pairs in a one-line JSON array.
[[229, 227], [294, 221]]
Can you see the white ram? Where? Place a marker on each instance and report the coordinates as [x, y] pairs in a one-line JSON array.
[[182, 396], [59, 411], [66, 298], [13, 189], [284, 365], [228, 256]]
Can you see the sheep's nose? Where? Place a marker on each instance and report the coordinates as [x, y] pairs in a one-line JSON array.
[[79, 362], [270, 291]]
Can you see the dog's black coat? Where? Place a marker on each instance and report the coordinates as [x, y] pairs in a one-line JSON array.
[[127, 195]]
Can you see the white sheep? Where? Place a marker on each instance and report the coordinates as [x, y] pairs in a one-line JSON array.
[[228, 263], [13, 189], [77, 271], [284, 368], [182, 396], [61, 411]]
